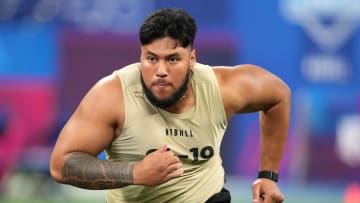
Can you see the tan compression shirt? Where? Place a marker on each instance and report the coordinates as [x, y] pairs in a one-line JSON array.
[[195, 136]]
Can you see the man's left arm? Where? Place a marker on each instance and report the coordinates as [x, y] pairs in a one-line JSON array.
[[274, 124], [249, 88]]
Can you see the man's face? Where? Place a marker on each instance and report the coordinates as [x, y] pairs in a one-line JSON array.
[[165, 71]]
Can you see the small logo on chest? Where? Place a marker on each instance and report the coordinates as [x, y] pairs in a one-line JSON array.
[[175, 132]]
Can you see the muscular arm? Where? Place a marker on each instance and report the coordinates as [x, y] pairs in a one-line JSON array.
[[249, 88], [86, 171], [274, 124], [92, 127]]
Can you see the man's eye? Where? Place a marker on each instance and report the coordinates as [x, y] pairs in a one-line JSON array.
[[151, 58], [173, 59]]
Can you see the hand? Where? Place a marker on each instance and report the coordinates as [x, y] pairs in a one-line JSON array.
[[266, 191], [157, 167]]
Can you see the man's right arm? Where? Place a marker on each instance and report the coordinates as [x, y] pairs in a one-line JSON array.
[[86, 171], [91, 129], [95, 123]]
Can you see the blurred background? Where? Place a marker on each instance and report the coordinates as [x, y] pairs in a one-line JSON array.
[[53, 51]]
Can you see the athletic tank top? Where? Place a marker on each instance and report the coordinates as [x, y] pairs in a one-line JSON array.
[[195, 136]]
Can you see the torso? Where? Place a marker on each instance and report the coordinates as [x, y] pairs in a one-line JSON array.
[[194, 136]]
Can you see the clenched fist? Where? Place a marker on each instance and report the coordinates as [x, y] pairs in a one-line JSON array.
[[266, 191], [157, 168]]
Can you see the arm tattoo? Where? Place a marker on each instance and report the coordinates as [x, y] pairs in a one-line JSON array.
[[85, 171]]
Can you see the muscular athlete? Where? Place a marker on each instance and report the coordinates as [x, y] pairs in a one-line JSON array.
[[168, 89]]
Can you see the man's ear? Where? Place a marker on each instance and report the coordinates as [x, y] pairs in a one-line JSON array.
[[192, 57]]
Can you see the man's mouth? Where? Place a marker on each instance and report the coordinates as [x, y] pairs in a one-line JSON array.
[[161, 84]]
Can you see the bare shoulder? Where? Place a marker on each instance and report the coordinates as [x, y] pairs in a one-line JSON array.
[[104, 99], [239, 72], [98, 119], [95, 122], [239, 78], [246, 86], [108, 86]]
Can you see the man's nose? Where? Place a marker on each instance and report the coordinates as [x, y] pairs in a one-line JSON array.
[[162, 70]]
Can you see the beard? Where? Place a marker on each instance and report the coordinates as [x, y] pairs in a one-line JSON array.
[[174, 97]]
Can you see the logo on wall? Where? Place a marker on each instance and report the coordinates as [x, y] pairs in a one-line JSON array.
[[329, 27]]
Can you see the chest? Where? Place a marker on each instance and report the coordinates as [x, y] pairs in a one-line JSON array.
[[191, 137]]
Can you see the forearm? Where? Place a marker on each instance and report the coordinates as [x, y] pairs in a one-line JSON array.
[[274, 124], [85, 171]]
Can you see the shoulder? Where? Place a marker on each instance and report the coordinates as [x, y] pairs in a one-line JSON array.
[[104, 99], [106, 86], [230, 78], [233, 72], [243, 75], [244, 86]]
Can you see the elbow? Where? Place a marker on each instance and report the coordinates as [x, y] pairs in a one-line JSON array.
[[287, 94], [282, 91], [285, 101], [282, 98]]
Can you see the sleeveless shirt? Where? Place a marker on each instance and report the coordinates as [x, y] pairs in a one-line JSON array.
[[195, 136]]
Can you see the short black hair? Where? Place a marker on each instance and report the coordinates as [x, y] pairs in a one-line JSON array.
[[169, 22]]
